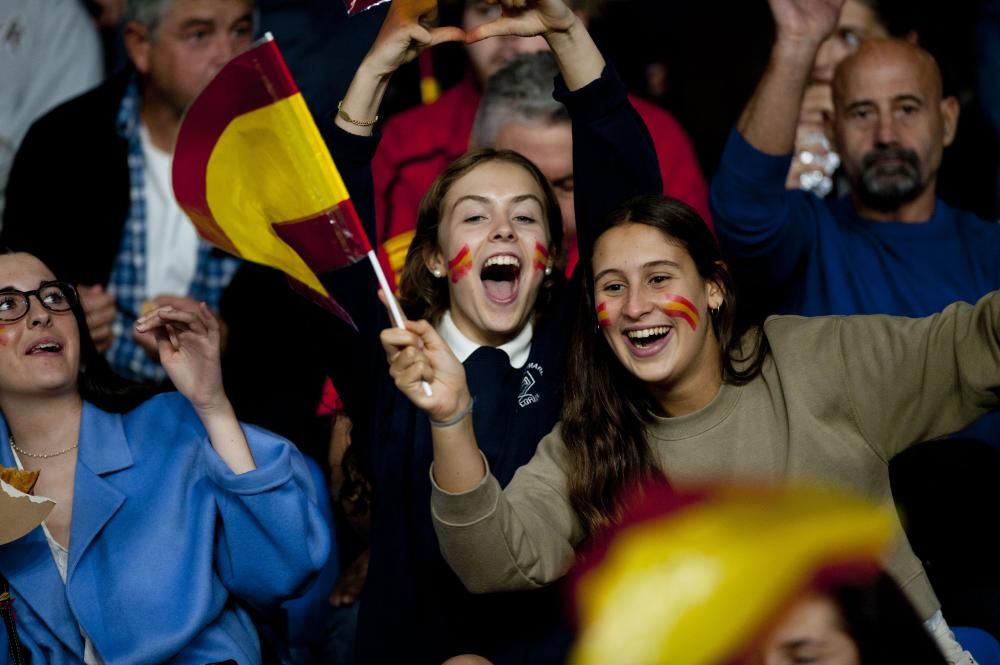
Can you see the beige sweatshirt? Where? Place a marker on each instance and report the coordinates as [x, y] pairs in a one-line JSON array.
[[837, 399]]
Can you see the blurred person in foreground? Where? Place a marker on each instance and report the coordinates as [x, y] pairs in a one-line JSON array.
[[727, 575]]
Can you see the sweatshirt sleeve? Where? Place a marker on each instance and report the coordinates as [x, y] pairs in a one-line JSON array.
[[272, 536], [911, 380], [522, 537], [767, 230], [613, 154]]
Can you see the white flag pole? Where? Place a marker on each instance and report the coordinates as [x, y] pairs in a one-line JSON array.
[[396, 312]]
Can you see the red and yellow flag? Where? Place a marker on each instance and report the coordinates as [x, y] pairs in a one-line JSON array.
[[692, 577], [254, 175]]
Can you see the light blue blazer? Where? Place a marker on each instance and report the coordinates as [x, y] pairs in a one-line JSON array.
[[166, 543]]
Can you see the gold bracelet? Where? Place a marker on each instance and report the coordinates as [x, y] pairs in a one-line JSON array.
[[360, 123]]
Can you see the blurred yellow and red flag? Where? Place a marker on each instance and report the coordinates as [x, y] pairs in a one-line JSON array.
[[692, 577], [254, 175]]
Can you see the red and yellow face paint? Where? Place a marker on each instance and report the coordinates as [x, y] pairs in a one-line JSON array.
[[679, 307], [603, 317], [541, 258], [460, 265], [4, 334]]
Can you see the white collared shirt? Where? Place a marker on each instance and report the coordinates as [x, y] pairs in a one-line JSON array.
[[516, 349], [171, 239]]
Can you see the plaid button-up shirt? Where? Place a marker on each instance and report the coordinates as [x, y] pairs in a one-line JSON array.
[[213, 272]]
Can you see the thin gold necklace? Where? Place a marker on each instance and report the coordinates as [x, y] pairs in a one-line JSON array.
[[36, 455]]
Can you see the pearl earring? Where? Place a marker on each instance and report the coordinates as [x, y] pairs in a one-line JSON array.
[[436, 272], [548, 270]]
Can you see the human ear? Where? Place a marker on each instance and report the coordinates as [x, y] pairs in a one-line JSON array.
[[137, 42], [949, 119], [715, 292], [434, 261]]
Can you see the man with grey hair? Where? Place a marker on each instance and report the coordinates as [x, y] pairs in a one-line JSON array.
[[518, 112], [119, 234]]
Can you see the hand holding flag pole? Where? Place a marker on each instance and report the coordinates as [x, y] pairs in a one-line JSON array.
[[393, 305]]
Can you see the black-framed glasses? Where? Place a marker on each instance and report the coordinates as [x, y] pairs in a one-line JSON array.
[[54, 296]]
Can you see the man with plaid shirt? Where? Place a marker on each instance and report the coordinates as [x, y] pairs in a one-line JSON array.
[[115, 228]]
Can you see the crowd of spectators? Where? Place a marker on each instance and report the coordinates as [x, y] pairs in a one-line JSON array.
[[635, 240]]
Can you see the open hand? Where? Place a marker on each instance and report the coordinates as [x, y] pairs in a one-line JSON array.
[[809, 21], [188, 341]]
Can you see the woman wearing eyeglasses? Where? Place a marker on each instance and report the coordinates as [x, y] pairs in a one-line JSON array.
[[170, 515]]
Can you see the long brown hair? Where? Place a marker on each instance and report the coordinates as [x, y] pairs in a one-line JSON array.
[[424, 296], [606, 409]]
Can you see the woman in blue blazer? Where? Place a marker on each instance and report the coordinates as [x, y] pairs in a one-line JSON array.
[[172, 519]]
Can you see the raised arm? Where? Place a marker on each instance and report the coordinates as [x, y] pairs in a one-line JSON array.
[[614, 157], [188, 342], [912, 380], [403, 35], [769, 120], [356, 368], [768, 232], [899, 380]]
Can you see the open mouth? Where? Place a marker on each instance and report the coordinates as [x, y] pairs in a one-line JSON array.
[[648, 341], [501, 276], [46, 347]]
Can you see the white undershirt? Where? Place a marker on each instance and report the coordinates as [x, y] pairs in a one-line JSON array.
[[516, 349], [60, 555], [171, 239]]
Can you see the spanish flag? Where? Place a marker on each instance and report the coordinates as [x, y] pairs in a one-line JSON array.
[[252, 172], [693, 577]]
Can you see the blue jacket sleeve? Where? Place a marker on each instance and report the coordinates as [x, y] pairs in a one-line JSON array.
[[272, 536], [613, 155], [767, 230]]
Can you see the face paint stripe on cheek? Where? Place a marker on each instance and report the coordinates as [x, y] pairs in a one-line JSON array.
[[3, 335], [541, 256], [680, 307], [460, 265], [603, 317]]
